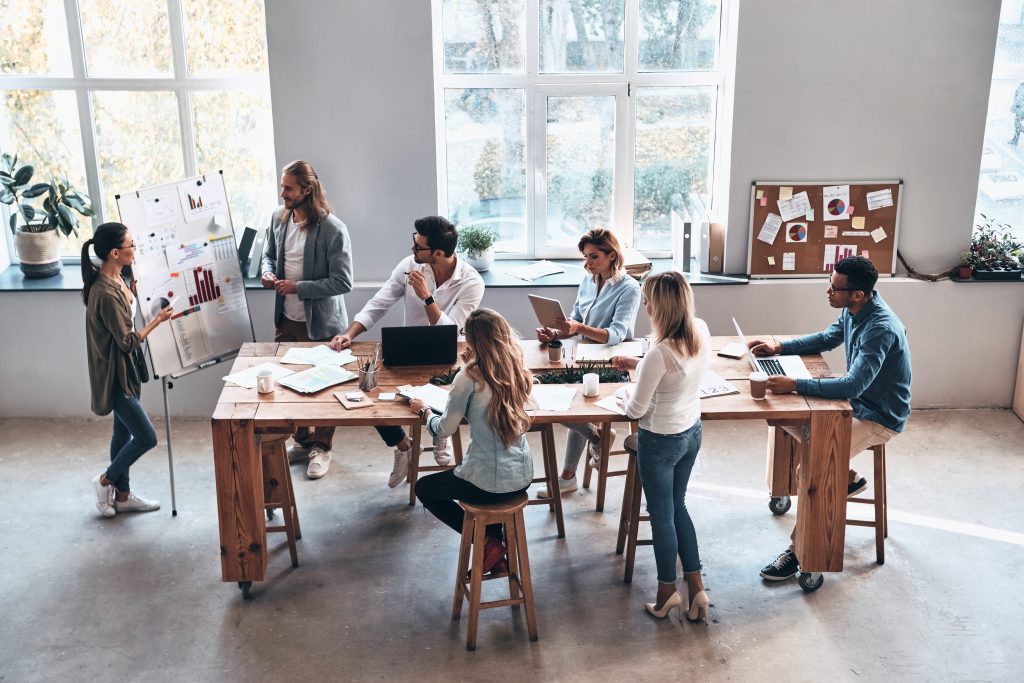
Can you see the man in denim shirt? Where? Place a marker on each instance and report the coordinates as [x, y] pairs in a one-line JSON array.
[[877, 380]]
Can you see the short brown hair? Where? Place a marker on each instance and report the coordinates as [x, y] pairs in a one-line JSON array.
[[605, 240]]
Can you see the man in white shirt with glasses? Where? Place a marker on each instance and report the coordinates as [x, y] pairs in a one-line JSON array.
[[438, 288]]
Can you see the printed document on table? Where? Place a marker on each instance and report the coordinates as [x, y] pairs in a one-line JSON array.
[[612, 403], [770, 228], [247, 378], [535, 270], [712, 384], [317, 378], [318, 355], [435, 396], [555, 398], [603, 352]]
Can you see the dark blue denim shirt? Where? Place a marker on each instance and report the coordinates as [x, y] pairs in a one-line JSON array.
[[877, 380]]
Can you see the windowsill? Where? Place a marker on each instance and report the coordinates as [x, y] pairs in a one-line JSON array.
[[70, 277]]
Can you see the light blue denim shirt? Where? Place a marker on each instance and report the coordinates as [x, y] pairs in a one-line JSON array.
[[488, 463], [877, 380], [613, 309]]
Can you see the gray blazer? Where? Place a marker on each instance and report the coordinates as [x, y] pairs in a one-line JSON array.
[[326, 274]]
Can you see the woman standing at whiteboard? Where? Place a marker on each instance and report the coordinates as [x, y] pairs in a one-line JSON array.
[[111, 340], [604, 312]]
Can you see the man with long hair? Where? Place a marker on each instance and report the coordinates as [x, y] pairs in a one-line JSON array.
[[436, 288], [308, 261]]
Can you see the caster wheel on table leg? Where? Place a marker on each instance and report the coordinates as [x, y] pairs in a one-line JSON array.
[[780, 505], [270, 514], [811, 581], [246, 587]]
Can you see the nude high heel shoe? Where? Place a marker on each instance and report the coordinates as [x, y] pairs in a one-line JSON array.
[[676, 600], [698, 608]]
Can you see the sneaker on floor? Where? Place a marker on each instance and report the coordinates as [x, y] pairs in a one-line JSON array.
[[401, 469], [784, 567], [441, 455], [136, 503], [298, 453], [104, 497], [855, 487], [594, 451], [319, 462], [564, 486]]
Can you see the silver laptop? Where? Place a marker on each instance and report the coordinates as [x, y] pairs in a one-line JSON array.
[[790, 366]]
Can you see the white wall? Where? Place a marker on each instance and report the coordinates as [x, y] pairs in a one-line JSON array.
[[352, 92]]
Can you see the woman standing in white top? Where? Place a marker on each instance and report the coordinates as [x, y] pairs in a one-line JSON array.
[[666, 400]]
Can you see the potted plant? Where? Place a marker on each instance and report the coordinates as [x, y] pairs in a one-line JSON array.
[[477, 243], [995, 251], [966, 267], [36, 239]]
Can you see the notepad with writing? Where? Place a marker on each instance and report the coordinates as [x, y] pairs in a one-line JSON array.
[[733, 350]]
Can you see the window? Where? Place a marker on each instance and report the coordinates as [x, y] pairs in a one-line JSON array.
[[556, 116], [1001, 184], [117, 96]]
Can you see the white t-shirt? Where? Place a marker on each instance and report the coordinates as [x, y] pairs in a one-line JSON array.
[[294, 252], [666, 397]]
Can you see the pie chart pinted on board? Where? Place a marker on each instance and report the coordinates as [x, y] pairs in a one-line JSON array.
[[798, 232], [836, 208]]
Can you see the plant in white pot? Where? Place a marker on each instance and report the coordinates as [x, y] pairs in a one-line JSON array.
[[477, 243], [36, 239]]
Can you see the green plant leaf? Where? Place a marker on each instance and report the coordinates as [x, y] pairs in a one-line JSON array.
[[6, 196], [6, 179], [14, 222], [35, 190], [65, 215], [6, 162], [23, 175], [28, 211]]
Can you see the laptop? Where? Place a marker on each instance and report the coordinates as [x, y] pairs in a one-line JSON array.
[[419, 345], [790, 366]]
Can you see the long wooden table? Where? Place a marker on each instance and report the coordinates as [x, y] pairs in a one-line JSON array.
[[242, 414]]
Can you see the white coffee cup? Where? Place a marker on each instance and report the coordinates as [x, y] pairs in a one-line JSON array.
[[758, 385], [590, 384], [265, 381]]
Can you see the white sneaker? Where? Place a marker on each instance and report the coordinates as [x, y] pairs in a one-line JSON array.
[[135, 503], [401, 468], [298, 453], [104, 497], [441, 455], [594, 450], [319, 462], [564, 486]]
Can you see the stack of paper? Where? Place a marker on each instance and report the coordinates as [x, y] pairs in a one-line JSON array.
[[712, 384], [317, 378], [604, 352], [616, 403], [535, 270], [435, 396], [318, 355], [247, 378], [635, 263], [556, 398]]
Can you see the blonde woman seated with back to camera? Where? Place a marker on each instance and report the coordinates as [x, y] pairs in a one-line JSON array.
[[666, 399], [491, 393], [604, 312]]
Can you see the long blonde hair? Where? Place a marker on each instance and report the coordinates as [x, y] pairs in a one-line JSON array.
[[498, 362], [671, 301], [306, 176]]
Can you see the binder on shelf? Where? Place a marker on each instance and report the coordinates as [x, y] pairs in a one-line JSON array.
[[257, 252], [245, 248], [712, 247]]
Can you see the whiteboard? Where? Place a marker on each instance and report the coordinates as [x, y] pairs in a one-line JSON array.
[[186, 254]]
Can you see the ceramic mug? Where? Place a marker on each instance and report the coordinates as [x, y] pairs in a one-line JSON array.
[[265, 381]]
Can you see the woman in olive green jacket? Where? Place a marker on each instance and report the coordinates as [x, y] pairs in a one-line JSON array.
[[116, 387]]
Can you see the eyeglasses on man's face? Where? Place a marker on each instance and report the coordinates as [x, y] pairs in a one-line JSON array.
[[833, 290], [417, 247]]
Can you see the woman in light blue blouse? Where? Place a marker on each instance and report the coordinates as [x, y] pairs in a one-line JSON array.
[[604, 312], [491, 393]]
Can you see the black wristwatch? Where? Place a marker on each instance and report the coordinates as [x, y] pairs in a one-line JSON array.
[[429, 300], [423, 412]]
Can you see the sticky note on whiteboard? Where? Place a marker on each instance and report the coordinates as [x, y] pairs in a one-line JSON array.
[[771, 260], [760, 193], [785, 192], [831, 231], [878, 234], [764, 201], [857, 222], [864, 253]]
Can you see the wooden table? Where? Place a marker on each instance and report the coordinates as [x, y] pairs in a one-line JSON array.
[[242, 414]]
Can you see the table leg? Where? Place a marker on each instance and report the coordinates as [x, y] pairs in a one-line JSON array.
[[239, 479], [783, 458], [821, 513], [602, 476], [551, 466], [414, 461]]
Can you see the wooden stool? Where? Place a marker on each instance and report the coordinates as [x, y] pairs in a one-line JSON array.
[[630, 517], [880, 523], [551, 473], [602, 471], [510, 515], [278, 492], [414, 460]]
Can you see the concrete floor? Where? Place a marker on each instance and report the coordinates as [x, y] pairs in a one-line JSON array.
[[140, 597]]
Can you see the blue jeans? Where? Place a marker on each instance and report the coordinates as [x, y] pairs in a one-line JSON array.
[[133, 436], [665, 462]]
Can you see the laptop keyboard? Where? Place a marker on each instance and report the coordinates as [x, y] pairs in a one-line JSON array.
[[770, 366]]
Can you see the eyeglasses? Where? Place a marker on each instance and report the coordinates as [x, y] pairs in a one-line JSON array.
[[833, 290], [128, 246], [416, 247]]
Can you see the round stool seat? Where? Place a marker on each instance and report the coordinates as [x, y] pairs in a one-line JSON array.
[[508, 507], [630, 443]]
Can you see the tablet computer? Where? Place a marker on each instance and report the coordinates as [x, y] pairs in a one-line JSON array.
[[547, 310]]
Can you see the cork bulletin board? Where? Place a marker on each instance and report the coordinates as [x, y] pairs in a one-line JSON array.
[[800, 229]]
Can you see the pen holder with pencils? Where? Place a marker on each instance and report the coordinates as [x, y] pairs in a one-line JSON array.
[[368, 378]]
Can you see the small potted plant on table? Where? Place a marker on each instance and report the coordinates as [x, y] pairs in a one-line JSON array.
[[995, 251], [477, 243], [966, 267]]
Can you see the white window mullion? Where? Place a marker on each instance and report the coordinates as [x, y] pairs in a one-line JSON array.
[[536, 186], [440, 131], [625, 163], [85, 113], [182, 93]]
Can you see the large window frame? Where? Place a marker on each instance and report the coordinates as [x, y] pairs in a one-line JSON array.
[[179, 82], [538, 86]]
